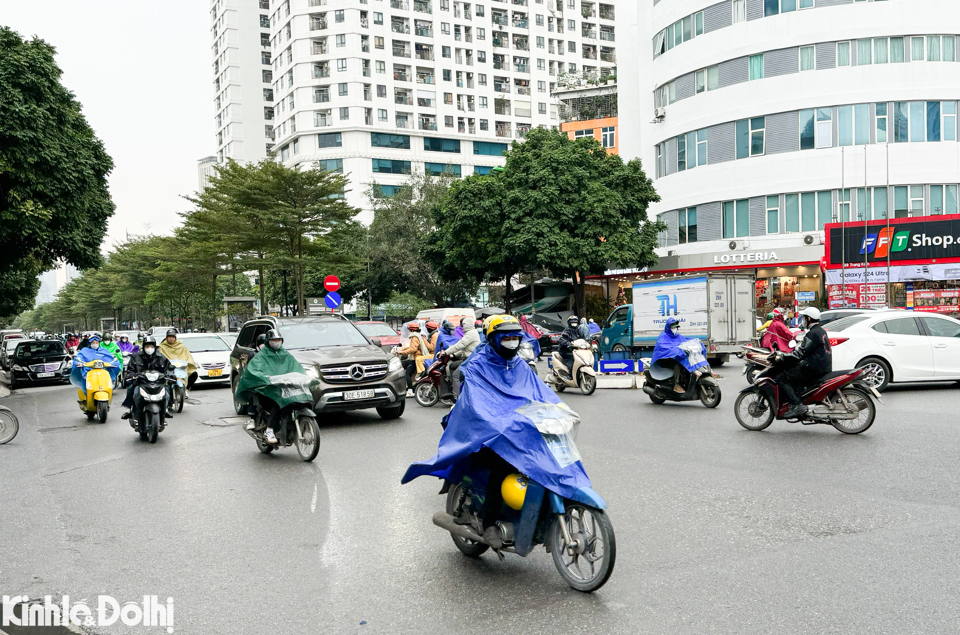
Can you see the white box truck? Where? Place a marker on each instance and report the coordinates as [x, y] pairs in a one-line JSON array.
[[719, 309]]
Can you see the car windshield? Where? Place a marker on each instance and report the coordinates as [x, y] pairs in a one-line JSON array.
[[40, 349], [844, 323], [377, 330], [205, 344], [325, 333]]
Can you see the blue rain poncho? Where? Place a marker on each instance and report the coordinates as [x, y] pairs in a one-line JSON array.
[[78, 375], [499, 406], [670, 346]]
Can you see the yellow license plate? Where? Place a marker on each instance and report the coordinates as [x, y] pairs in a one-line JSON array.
[[214, 373]]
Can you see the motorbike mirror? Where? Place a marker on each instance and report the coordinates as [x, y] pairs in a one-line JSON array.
[[793, 344]]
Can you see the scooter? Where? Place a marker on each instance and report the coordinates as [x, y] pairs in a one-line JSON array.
[[180, 389], [149, 412], [95, 401], [578, 533], [582, 375], [432, 386], [298, 426], [841, 399], [700, 384], [529, 355]]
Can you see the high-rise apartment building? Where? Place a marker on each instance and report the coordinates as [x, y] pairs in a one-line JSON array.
[[762, 121], [382, 88], [242, 79]]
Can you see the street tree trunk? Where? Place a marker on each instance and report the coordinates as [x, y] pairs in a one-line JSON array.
[[579, 293], [506, 293]]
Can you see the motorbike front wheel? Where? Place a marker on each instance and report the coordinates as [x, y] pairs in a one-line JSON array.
[[710, 396], [151, 426], [588, 383], [178, 398], [867, 411], [308, 438], [466, 547], [587, 563], [753, 411], [427, 395], [102, 410], [9, 425]]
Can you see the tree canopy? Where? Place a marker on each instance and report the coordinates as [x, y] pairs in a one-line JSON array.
[[54, 200]]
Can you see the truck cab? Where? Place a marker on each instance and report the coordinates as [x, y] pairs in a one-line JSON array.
[[617, 333]]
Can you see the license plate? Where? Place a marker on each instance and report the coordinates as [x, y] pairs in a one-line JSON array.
[[39, 375], [216, 372], [351, 395]]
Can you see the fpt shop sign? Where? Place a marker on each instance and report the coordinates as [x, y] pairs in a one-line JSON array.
[[903, 240]]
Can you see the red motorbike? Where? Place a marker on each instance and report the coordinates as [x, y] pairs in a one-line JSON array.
[[840, 399], [432, 386]]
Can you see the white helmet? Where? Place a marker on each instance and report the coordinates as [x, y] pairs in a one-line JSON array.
[[811, 312]]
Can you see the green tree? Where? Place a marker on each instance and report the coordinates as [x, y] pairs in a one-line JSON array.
[[566, 205], [54, 200], [400, 226]]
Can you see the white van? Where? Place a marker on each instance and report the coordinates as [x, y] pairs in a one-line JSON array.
[[452, 315]]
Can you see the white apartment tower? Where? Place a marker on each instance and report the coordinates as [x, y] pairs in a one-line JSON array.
[[378, 89], [242, 79]]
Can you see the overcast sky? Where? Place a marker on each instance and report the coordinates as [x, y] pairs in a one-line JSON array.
[[141, 70]]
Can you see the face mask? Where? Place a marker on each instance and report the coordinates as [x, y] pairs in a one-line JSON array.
[[674, 329], [94, 344], [149, 350], [275, 344], [510, 345]]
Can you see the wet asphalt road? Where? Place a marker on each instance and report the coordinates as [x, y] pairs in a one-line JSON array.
[[719, 530]]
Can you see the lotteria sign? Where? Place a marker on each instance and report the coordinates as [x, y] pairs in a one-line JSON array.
[[904, 239], [754, 256]]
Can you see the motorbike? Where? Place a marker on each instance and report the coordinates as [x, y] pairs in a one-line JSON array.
[[756, 357], [842, 399], [428, 387], [9, 425], [578, 534], [529, 355], [149, 411], [700, 384], [581, 375], [297, 421], [95, 401], [180, 389]]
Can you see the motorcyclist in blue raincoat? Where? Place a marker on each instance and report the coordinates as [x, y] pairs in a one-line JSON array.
[[668, 347], [488, 425], [93, 352]]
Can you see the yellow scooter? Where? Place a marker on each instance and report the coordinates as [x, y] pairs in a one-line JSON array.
[[96, 400]]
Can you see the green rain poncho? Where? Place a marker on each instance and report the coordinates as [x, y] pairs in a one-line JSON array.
[[277, 376], [114, 348]]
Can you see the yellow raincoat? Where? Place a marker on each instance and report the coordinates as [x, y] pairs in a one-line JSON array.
[[178, 350]]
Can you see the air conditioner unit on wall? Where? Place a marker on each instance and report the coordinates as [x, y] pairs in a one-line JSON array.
[[738, 244], [660, 112], [809, 239]]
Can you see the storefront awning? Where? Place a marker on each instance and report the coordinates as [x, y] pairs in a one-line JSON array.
[[543, 305]]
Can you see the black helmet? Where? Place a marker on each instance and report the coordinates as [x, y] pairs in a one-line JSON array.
[[172, 332], [147, 341], [573, 320], [261, 340], [274, 334]]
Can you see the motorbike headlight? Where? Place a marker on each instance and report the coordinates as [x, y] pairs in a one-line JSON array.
[[394, 365], [311, 370]]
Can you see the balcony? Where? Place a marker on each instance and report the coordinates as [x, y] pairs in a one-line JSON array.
[[519, 3], [323, 120], [521, 23], [426, 102], [320, 72], [499, 63], [424, 78], [424, 53], [521, 68], [404, 121], [587, 31], [366, 70], [318, 48], [318, 24], [521, 43], [400, 4], [522, 130], [403, 99], [422, 7], [523, 90], [588, 11], [501, 87], [427, 123], [321, 96], [500, 19], [400, 27], [607, 35], [400, 51], [608, 55], [502, 129], [401, 76], [521, 112], [588, 53], [501, 43], [607, 12], [317, 3]]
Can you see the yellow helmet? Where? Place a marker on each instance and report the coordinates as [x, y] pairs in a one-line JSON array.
[[500, 324], [514, 490]]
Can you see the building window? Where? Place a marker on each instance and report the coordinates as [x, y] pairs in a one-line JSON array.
[[390, 166], [342, 89], [447, 75], [843, 207], [853, 125], [864, 52], [773, 214], [750, 137], [285, 152], [739, 11], [381, 67], [949, 49], [736, 218], [607, 135], [483, 102], [896, 50], [377, 42], [698, 23], [338, 15], [881, 50], [933, 121], [448, 121], [445, 28], [377, 18], [881, 114], [756, 67], [382, 114], [702, 147], [382, 140], [331, 165], [344, 113], [949, 120], [687, 225], [808, 58], [806, 129], [541, 108], [824, 127], [341, 65], [438, 169], [489, 148], [580, 134], [381, 90], [572, 46], [434, 144], [843, 53], [879, 202], [329, 140], [481, 57]]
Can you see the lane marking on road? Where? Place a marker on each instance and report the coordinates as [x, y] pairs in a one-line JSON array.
[[313, 503]]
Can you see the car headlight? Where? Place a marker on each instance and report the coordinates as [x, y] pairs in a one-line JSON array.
[[18, 367], [394, 365], [311, 370]]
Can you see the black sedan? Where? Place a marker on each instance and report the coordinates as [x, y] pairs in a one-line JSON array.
[[39, 361]]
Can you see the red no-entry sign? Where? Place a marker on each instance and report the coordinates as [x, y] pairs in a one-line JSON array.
[[331, 283]]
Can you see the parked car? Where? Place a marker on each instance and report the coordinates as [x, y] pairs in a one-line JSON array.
[[229, 338], [380, 331], [212, 355], [898, 346], [7, 352], [835, 314], [36, 361], [354, 373]]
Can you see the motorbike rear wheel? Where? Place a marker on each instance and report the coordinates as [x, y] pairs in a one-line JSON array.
[[710, 396], [587, 383], [753, 411], [102, 410], [151, 426], [867, 411], [752, 373], [594, 547], [308, 438], [427, 395], [466, 547]]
